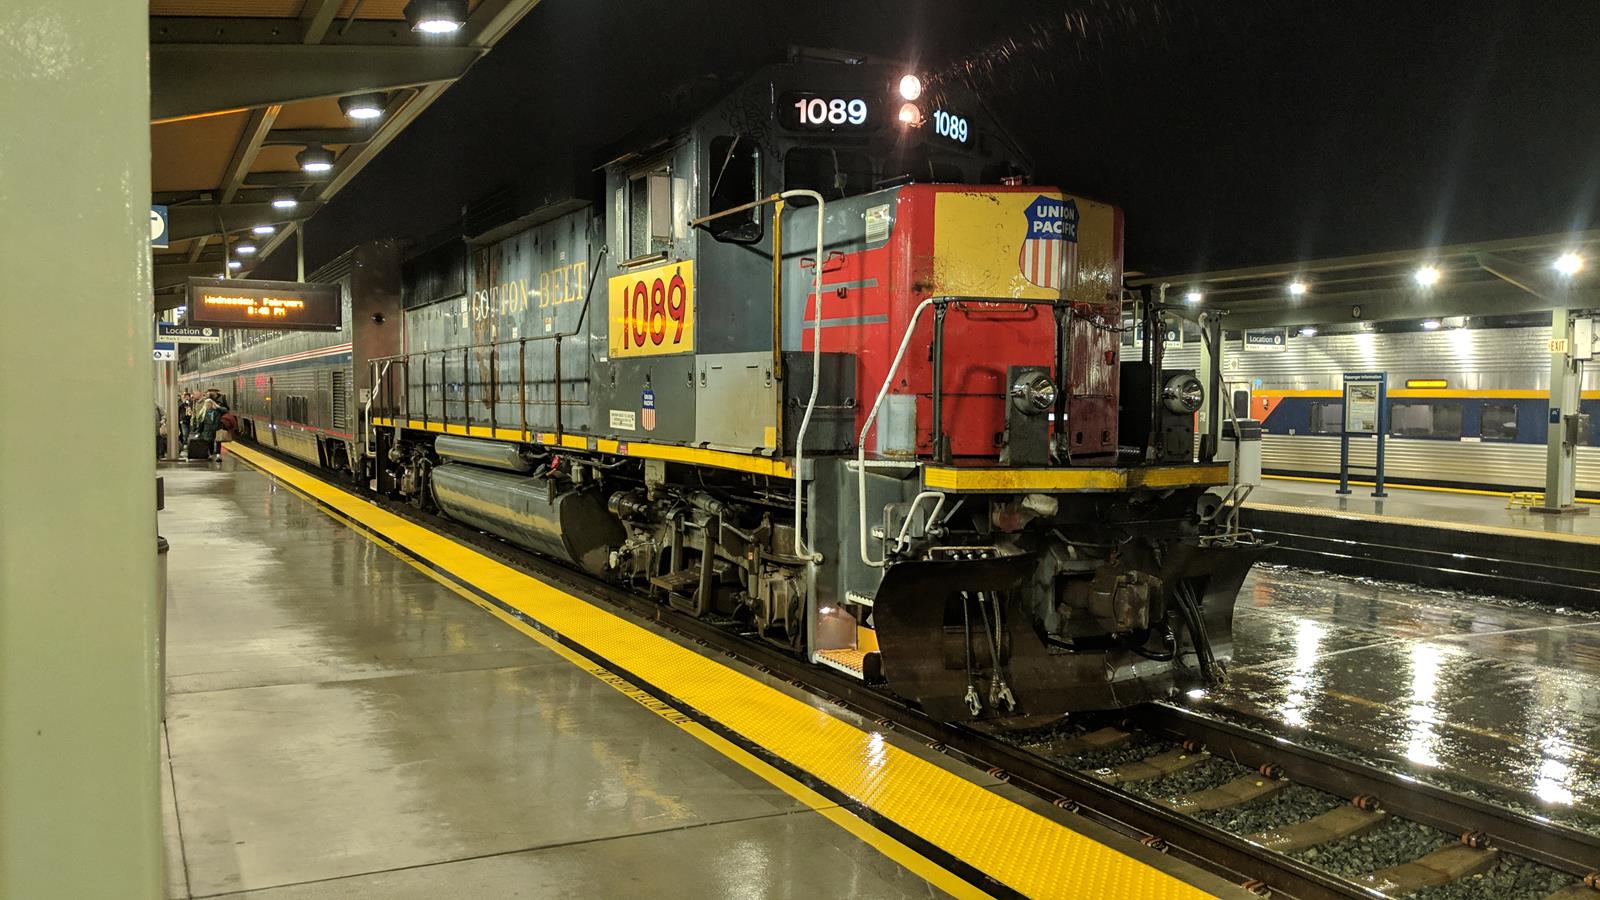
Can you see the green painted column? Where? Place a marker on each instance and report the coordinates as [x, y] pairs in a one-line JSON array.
[[80, 812]]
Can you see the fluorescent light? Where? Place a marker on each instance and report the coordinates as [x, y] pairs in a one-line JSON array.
[[1569, 264], [911, 87], [1298, 288], [264, 229], [245, 249], [1194, 296], [284, 201], [1430, 324], [1427, 276], [235, 264], [1308, 331]]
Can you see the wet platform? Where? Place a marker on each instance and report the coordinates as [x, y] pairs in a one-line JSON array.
[[1456, 540], [342, 724], [1489, 696]]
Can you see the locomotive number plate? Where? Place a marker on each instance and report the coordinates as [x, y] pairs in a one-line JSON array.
[[652, 311]]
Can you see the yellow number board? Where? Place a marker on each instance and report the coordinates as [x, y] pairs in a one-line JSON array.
[[652, 311]]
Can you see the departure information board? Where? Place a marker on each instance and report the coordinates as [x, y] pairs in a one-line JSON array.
[[269, 305]]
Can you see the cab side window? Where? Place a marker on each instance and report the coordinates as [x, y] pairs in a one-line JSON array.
[[734, 175], [650, 212]]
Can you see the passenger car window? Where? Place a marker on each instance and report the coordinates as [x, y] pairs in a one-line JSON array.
[[1327, 416], [734, 175], [1425, 419], [1499, 422]]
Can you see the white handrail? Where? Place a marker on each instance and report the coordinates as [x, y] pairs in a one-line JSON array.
[[816, 372], [861, 443]]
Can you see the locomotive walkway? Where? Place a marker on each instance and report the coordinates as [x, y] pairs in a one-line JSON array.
[[349, 715]]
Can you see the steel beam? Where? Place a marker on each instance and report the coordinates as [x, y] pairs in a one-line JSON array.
[[315, 18], [195, 220], [493, 18], [292, 179], [289, 137], [189, 79]]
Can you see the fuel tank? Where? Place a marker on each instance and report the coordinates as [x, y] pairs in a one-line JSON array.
[[537, 513], [494, 454]]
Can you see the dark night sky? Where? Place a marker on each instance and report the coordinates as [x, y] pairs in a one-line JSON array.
[[1231, 132]]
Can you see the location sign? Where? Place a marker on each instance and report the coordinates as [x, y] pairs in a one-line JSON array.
[[268, 305]]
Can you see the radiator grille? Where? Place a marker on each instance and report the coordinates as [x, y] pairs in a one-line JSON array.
[[341, 402]]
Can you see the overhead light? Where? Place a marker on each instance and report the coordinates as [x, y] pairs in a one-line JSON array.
[[284, 201], [245, 248], [1194, 296], [1308, 331], [264, 229], [1298, 288], [1569, 264], [235, 264], [910, 114], [314, 158], [1430, 324], [363, 106], [1426, 276], [911, 87], [436, 16]]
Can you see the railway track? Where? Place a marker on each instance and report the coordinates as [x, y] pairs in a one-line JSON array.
[[1275, 817]]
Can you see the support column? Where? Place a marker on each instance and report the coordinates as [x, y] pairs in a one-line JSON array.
[[80, 812], [1561, 456]]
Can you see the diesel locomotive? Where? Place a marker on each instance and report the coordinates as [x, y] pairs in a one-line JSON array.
[[817, 362]]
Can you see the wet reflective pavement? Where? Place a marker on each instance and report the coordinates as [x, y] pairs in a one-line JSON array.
[[340, 725], [1500, 694]]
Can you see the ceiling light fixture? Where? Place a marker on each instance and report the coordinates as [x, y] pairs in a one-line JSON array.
[[1426, 276], [1298, 288], [1430, 324], [1194, 296], [314, 158], [436, 16], [263, 229], [245, 248], [1569, 264], [285, 201], [363, 106]]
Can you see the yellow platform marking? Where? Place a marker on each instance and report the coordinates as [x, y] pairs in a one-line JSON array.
[[1019, 848], [720, 459], [1409, 487], [1439, 393], [958, 478]]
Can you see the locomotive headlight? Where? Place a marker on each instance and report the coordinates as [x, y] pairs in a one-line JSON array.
[[910, 114], [1034, 393], [911, 87], [1182, 394]]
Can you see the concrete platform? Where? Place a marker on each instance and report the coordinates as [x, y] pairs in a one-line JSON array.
[[340, 725], [1448, 509]]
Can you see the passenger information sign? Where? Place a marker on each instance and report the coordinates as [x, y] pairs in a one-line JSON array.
[[268, 305], [188, 334]]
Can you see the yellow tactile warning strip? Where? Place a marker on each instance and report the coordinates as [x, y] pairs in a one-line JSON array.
[[960, 478], [1413, 487], [1020, 849], [1528, 533], [721, 459]]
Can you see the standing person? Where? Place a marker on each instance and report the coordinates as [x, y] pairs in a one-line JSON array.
[[161, 437], [198, 436], [185, 410]]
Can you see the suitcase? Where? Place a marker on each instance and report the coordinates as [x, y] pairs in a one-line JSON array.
[[199, 448]]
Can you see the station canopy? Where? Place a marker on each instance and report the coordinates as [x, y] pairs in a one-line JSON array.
[[243, 93], [1487, 278]]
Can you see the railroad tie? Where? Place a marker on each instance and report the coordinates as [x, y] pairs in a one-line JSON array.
[[1231, 793], [1175, 760], [1106, 738], [1335, 824], [1577, 891], [1441, 866]]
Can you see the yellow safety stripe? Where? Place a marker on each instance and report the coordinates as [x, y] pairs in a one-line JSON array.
[[1446, 393], [719, 459], [958, 478], [1017, 847], [1482, 492]]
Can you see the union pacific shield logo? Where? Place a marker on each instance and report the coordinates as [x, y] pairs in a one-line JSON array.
[[1049, 255]]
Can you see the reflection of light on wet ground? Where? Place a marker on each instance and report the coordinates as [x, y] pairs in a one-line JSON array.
[[1307, 641], [1421, 715], [875, 751]]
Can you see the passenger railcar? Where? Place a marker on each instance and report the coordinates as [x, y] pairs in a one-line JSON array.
[[819, 362], [1468, 402]]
